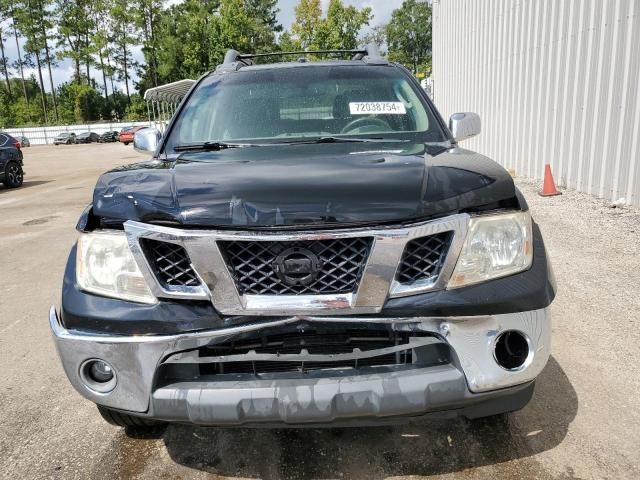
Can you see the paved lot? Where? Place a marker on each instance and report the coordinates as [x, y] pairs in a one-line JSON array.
[[584, 421]]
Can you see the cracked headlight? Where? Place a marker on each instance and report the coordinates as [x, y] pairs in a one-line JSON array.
[[105, 265], [496, 246]]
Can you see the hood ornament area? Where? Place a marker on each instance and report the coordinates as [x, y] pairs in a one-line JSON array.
[[297, 266]]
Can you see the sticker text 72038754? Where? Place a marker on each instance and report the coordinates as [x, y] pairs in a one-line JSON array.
[[372, 108]]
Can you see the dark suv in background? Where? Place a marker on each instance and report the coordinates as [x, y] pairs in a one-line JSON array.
[[308, 246], [11, 163], [108, 137], [87, 137]]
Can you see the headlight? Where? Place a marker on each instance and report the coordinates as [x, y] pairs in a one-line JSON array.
[[105, 265], [496, 246]]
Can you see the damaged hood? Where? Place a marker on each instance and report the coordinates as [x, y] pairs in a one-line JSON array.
[[303, 185]]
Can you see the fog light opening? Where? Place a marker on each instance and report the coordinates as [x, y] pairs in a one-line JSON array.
[[100, 371], [98, 376], [512, 350]]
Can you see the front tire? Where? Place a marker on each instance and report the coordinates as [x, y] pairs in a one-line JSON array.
[[13, 175], [134, 426]]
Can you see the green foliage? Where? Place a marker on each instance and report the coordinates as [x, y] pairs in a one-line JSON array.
[[73, 23], [338, 30], [307, 22], [341, 27], [87, 103], [136, 109], [409, 36], [188, 44]]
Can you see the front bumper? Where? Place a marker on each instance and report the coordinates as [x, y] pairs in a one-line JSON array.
[[469, 381]]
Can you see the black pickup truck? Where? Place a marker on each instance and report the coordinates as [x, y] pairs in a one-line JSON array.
[[308, 246]]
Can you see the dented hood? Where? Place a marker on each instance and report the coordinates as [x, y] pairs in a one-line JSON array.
[[303, 185]]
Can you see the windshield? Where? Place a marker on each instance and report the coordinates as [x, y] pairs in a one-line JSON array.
[[63, 135], [285, 104]]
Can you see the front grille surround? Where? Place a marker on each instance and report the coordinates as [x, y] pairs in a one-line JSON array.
[[254, 265], [377, 281]]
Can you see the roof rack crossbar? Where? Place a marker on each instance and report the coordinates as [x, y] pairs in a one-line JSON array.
[[243, 56], [370, 51]]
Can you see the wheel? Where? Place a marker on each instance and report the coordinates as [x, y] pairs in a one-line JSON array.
[[13, 176], [134, 426], [126, 143]]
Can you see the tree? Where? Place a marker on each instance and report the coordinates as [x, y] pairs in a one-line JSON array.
[[19, 63], [136, 110], [73, 24], [147, 18], [4, 61], [6, 102], [337, 31], [24, 112], [189, 44], [409, 35], [123, 30], [306, 24], [247, 25], [30, 16], [45, 26]]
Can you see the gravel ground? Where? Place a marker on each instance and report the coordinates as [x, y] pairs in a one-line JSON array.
[[583, 422]]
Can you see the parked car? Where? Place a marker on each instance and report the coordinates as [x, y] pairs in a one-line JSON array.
[[87, 137], [11, 163], [311, 246], [13, 141], [108, 137], [65, 138], [24, 142], [126, 135]]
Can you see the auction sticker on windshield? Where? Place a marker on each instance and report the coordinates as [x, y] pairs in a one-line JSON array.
[[369, 108]]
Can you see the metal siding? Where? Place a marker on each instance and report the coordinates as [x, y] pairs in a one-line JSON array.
[[554, 82]]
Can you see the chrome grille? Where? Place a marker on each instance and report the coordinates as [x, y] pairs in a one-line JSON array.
[[170, 263], [423, 258], [338, 265]]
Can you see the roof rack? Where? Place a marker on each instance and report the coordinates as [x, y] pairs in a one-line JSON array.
[[234, 60]]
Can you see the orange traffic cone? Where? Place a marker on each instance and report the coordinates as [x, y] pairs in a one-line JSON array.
[[549, 186]]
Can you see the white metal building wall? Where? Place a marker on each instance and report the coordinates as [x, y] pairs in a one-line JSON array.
[[554, 81]]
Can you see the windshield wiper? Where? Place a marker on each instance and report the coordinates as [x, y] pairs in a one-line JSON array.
[[208, 146], [214, 146], [339, 140]]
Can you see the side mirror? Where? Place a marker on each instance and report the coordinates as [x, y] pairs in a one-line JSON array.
[[147, 140], [464, 125]]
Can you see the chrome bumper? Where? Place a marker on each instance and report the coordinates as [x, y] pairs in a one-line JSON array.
[[135, 360]]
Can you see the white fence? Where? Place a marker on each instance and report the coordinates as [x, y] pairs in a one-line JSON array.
[[45, 135]]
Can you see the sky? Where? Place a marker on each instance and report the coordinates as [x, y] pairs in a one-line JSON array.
[[381, 14]]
